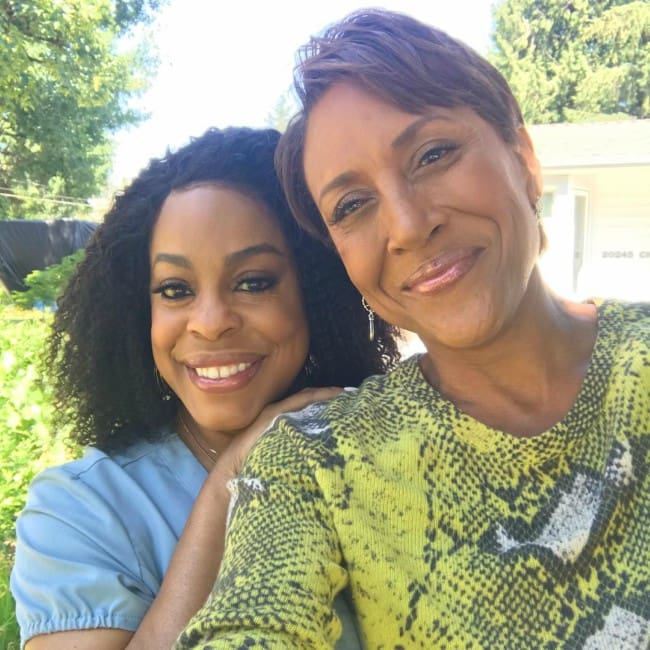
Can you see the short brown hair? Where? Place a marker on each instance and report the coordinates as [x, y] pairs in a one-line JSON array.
[[400, 60]]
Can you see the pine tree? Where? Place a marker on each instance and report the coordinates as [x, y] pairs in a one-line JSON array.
[[575, 60]]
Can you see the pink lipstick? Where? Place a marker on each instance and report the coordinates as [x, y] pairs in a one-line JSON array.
[[442, 271]]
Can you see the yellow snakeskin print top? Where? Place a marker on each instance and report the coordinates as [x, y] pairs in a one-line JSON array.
[[450, 534]]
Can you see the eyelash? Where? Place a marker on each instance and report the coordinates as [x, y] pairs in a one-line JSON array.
[[440, 152], [257, 283], [171, 290], [348, 206], [344, 208], [174, 291]]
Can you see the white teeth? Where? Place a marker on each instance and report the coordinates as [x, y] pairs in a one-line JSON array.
[[222, 372]]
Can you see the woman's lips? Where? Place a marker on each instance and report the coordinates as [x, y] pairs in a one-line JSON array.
[[222, 371], [224, 376], [442, 271]]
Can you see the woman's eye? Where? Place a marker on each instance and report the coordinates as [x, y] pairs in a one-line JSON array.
[[173, 291], [434, 154], [256, 284], [346, 207]]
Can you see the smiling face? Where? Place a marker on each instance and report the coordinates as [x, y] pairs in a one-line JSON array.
[[430, 213], [228, 330]]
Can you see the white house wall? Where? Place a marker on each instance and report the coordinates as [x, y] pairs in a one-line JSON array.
[[616, 248], [619, 260]]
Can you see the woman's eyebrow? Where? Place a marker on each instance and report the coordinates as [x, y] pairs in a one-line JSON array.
[[231, 258], [340, 181], [176, 260], [411, 130], [250, 251]]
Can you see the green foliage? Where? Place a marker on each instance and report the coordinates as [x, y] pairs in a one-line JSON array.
[[9, 635], [27, 444], [66, 76], [282, 111], [46, 285], [131, 12], [29, 200], [577, 60]]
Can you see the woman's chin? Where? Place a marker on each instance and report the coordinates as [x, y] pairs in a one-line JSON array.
[[460, 329]]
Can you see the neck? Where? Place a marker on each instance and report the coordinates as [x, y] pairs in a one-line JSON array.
[[526, 378], [206, 455]]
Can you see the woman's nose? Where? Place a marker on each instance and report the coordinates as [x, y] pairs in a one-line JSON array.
[[212, 317], [410, 221]]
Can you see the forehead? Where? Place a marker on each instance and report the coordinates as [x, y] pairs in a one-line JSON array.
[[215, 216], [219, 208], [340, 109], [346, 103], [349, 125]]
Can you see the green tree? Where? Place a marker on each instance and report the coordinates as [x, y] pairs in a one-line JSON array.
[[67, 71], [575, 60], [282, 111]]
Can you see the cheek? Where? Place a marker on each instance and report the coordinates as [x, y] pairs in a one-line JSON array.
[[285, 327], [163, 333], [287, 323], [472, 185], [360, 257], [279, 316]]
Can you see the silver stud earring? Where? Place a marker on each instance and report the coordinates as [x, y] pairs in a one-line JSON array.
[[371, 319], [163, 388]]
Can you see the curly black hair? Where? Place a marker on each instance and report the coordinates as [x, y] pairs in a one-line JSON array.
[[100, 349]]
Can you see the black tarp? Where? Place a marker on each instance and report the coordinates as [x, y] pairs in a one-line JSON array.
[[27, 246]]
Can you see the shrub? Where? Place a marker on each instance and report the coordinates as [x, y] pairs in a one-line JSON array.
[[27, 443], [46, 285], [25, 408], [9, 636]]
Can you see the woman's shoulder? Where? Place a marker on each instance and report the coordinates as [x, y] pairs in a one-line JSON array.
[[101, 532], [624, 329], [397, 390], [140, 495], [354, 414], [621, 358], [625, 316], [142, 468], [374, 391], [94, 462]]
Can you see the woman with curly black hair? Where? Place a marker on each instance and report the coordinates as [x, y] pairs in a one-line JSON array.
[[199, 313]]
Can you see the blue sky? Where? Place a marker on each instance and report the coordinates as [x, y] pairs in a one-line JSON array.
[[227, 62]]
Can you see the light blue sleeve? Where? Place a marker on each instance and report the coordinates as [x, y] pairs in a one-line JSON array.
[[350, 636], [76, 566], [96, 536]]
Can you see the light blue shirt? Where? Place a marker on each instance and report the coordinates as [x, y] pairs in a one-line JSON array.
[[97, 535]]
